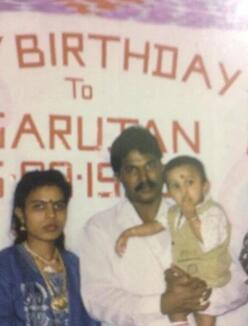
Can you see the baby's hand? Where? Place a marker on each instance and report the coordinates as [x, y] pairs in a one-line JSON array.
[[188, 208], [121, 245]]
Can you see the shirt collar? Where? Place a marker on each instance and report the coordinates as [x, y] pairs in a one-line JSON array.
[[129, 214]]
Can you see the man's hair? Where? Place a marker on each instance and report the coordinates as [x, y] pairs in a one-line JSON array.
[[133, 138], [31, 181], [185, 160]]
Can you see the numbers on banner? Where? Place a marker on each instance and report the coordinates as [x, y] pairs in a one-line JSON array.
[[64, 167], [92, 179]]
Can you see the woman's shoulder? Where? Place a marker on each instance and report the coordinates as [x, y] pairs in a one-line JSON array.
[[70, 257], [71, 262], [7, 252], [8, 261]]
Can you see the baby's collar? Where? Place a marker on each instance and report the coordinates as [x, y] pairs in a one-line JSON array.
[[205, 204]]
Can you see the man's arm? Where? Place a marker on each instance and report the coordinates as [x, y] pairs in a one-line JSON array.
[[107, 300], [141, 230], [103, 295]]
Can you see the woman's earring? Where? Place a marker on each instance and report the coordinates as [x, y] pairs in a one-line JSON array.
[[22, 227]]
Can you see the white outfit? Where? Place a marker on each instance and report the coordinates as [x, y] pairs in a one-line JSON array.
[[238, 317], [126, 291]]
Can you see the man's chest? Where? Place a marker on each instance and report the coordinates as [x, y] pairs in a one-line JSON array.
[[141, 269]]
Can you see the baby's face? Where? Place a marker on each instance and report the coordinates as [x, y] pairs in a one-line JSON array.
[[185, 183]]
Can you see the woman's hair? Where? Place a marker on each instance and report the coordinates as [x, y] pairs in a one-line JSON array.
[[31, 181]]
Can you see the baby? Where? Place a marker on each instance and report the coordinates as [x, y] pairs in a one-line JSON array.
[[199, 228]]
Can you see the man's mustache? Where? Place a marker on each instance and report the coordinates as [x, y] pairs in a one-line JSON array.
[[143, 185]]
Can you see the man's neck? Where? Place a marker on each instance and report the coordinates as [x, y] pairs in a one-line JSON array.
[[147, 211]]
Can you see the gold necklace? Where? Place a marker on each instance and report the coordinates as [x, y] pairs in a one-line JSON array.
[[45, 261], [58, 302]]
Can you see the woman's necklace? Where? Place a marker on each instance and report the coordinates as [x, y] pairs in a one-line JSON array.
[[48, 264], [59, 302]]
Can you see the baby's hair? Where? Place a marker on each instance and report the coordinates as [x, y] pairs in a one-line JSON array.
[[185, 160]]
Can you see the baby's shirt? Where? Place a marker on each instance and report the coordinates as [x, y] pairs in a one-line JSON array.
[[208, 259], [214, 226]]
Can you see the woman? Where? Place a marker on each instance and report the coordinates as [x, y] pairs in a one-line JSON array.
[[39, 279]]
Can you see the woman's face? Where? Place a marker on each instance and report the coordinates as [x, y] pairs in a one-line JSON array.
[[44, 214]]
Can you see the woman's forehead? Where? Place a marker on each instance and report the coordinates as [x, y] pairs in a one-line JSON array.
[[46, 193]]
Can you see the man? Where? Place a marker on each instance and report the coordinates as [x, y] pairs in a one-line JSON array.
[[132, 290]]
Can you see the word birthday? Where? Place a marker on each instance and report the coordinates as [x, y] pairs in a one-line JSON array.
[[157, 59]]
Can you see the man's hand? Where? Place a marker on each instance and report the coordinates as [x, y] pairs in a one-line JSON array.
[[184, 294], [121, 244]]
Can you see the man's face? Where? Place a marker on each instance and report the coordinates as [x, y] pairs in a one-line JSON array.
[[142, 177]]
